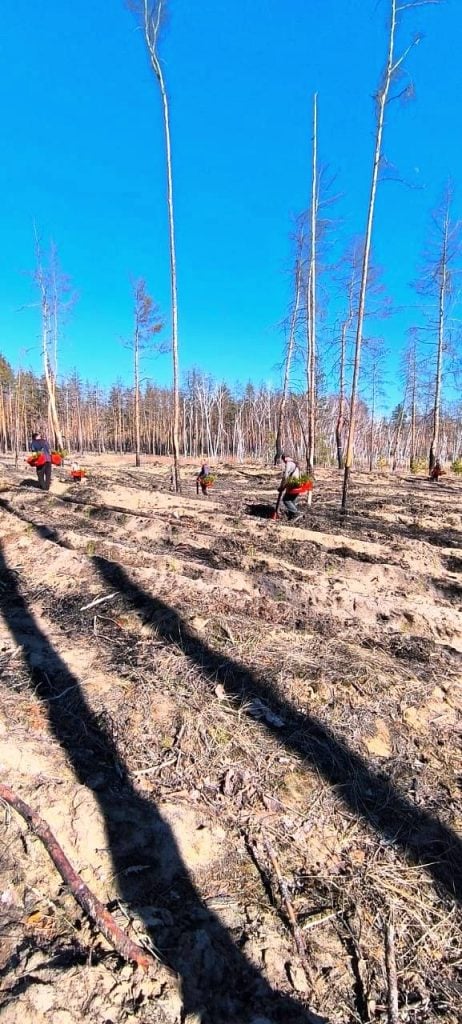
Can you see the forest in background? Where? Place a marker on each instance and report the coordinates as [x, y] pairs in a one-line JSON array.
[[216, 421]]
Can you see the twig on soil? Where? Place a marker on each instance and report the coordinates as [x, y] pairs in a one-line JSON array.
[[156, 767], [99, 600], [392, 978], [359, 969], [89, 903], [298, 937]]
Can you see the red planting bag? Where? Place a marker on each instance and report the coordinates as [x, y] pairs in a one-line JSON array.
[[40, 460], [56, 458], [308, 486]]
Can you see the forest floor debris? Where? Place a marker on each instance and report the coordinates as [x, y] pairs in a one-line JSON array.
[[250, 686]]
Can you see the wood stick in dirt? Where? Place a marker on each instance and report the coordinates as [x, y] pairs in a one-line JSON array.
[[90, 904], [283, 888], [99, 600], [392, 977]]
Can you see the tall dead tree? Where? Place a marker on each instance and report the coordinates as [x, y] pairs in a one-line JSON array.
[[393, 66], [311, 298], [48, 310], [146, 324], [411, 382], [153, 12], [375, 357], [290, 348], [350, 282], [437, 282]]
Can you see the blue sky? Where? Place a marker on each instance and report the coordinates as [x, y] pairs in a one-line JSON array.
[[83, 157]]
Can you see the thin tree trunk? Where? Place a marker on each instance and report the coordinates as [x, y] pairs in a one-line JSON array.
[[371, 432], [382, 102], [17, 419], [311, 311], [42, 282], [439, 356], [54, 419], [151, 31], [136, 354], [413, 423], [289, 355], [341, 396], [399, 426]]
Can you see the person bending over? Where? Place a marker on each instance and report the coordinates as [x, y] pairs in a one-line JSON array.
[[205, 472], [290, 475]]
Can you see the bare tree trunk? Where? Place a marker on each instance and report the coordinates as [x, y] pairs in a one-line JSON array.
[[439, 354], [152, 18], [136, 360], [4, 433], [289, 355], [391, 66], [311, 310], [41, 280], [371, 431], [53, 412], [413, 431], [341, 395], [17, 419], [399, 426]]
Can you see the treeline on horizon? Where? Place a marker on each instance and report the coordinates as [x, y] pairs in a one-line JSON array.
[[216, 421]]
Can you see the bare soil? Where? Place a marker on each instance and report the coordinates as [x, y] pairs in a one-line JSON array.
[[255, 698]]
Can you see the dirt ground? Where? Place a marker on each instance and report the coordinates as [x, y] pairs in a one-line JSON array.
[[251, 751]]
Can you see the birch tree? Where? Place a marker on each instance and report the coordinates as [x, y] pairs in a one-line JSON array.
[[152, 14], [146, 324], [411, 387], [393, 66], [290, 347], [56, 300], [350, 282], [375, 357], [311, 298], [437, 284]]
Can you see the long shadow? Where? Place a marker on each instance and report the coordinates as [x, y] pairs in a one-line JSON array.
[[218, 983], [370, 794]]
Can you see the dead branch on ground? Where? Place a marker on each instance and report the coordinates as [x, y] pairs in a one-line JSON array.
[[89, 903], [392, 977]]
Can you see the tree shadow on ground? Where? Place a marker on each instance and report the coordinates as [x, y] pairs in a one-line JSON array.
[[370, 794], [218, 983], [260, 510]]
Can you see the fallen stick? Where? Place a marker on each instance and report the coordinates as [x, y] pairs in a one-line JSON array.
[[89, 903], [392, 977], [99, 600], [299, 942]]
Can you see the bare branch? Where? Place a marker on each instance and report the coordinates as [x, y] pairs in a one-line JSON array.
[[89, 903], [417, 3]]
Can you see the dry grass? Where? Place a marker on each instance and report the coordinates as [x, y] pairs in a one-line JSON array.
[[232, 714]]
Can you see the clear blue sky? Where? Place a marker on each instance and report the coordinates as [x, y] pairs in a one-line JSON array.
[[82, 154]]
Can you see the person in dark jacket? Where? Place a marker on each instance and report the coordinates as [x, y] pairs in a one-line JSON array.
[[205, 472], [40, 444]]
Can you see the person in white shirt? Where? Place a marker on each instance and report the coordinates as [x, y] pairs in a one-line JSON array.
[[290, 473]]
